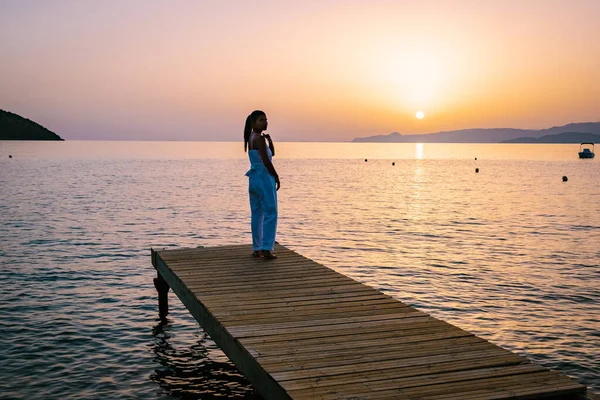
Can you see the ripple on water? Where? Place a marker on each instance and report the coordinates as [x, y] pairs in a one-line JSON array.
[[517, 266]]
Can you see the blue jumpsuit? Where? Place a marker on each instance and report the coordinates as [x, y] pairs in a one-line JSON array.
[[263, 202]]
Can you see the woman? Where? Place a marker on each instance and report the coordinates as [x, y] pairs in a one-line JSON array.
[[263, 185]]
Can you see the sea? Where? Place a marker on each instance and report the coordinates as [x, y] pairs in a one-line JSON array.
[[502, 240]]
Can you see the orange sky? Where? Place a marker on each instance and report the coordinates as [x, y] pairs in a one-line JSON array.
[[323, 71]]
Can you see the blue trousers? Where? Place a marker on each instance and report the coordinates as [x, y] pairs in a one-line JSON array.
[[263, 205]]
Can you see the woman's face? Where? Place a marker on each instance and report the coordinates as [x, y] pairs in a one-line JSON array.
[[260, 123]]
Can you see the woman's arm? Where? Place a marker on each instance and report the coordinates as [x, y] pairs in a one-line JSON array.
[[266, 135], [262, 151]]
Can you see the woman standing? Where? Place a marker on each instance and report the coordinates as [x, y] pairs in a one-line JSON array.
[[263, 185]]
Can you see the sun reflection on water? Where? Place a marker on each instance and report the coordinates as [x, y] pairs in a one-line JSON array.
[[419, 151], [509, 254]]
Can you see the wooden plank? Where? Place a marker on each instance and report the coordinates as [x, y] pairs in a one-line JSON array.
[[243, 360], [335, 289], [300, 301], [349, 341], [401, 372], [270, 285], [298, 329], [251, 264], [356, 359], [288, 375], [423, 380], [374, 346], [242, 252], [300, 316], [257, 330], [231, 278], [550, 391], [354, 342], [230, 275], [393, 326], [517, 386], [310, 308], [398, 323], [379, 305], [268, 298], [215, 257]]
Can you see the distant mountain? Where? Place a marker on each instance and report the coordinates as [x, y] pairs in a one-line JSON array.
[[565, 137], [582, 127], [15, 127], [393, 137], [495, 135]]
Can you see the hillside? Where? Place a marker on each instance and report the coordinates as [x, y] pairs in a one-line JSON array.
[[494, 135], [565, 137], [15, 127]]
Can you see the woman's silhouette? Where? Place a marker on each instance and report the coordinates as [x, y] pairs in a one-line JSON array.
[[263, 185]]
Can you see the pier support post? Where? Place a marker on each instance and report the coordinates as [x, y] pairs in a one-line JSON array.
[[162, 287]]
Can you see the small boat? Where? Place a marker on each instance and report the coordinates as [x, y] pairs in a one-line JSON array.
[[586, 152]]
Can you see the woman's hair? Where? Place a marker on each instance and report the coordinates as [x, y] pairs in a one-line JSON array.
[[248, 127]]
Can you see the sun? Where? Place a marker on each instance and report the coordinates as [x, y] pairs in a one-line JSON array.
[[420, 114]]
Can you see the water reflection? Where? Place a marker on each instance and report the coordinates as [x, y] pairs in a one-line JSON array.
[[415, 192], [509, 254], [200, 371], [419, 151], [106, 150]]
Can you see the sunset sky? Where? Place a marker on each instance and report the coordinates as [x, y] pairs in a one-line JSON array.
[[327, 70]]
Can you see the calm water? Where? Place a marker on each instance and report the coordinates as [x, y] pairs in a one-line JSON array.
[[511, 253]]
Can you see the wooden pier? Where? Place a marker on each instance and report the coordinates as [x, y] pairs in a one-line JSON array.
[[297, 329]]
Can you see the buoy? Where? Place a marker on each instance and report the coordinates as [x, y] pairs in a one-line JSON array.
[[393, 163], [365, 160], [477, 170], [565, 179]]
